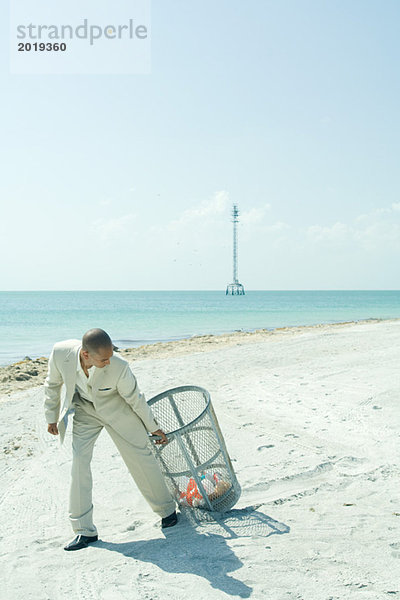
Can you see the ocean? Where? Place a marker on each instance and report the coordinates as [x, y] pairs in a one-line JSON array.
[[30, 322]]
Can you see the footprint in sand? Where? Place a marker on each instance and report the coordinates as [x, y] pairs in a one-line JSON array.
[[396, 549], [133, 526]]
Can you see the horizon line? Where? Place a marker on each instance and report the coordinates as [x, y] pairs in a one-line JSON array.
[[208, 290]]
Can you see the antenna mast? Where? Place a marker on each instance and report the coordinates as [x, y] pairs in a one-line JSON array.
[[235, 288]]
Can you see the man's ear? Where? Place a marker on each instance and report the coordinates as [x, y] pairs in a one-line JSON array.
[[85, 354]]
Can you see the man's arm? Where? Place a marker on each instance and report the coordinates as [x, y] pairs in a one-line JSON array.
[[128, 388], [52, 394]]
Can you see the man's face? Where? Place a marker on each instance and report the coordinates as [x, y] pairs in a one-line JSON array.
[[99, 359]]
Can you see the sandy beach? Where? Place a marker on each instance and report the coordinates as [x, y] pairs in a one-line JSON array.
[[30, 372], [310, 417]]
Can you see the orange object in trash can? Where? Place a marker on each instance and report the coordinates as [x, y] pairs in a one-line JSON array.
[[192, 492]]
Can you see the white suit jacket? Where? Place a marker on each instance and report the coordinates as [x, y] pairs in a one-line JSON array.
[[113, 388]]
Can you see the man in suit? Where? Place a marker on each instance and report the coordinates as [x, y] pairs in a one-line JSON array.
[[102, 391]]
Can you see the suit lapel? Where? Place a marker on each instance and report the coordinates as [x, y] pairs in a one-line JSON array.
[[97, 379], [70, 365]]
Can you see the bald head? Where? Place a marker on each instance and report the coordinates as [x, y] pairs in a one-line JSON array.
[[96, 340]]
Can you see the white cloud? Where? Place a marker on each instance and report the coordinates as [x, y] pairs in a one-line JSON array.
[[278, 227], [336, 233], [379, 213], [383, 236], [217, 205], [378, 230], [254, 216], [110, 229]]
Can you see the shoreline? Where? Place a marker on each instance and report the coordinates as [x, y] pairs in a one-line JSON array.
[[30, 373]]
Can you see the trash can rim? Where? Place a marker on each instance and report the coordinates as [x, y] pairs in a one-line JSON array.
[[184, 388]]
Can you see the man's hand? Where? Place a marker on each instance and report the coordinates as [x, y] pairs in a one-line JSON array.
[[164, 439], [52, 428]]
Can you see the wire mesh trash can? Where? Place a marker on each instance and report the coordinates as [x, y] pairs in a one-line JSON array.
[[195, 462]]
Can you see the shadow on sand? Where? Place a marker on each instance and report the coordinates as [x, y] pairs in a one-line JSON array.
[[198, 545]]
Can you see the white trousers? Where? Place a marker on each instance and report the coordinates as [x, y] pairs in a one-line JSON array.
[[130, 437]]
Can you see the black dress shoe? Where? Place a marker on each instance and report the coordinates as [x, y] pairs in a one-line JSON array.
[[169, 521], [81, 541]]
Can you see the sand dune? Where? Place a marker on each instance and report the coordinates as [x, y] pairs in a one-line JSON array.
[[310, 417]]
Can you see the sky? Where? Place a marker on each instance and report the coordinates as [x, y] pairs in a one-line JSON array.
[[289, 109]]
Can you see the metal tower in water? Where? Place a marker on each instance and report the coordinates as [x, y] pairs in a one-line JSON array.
[[235, 288]]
